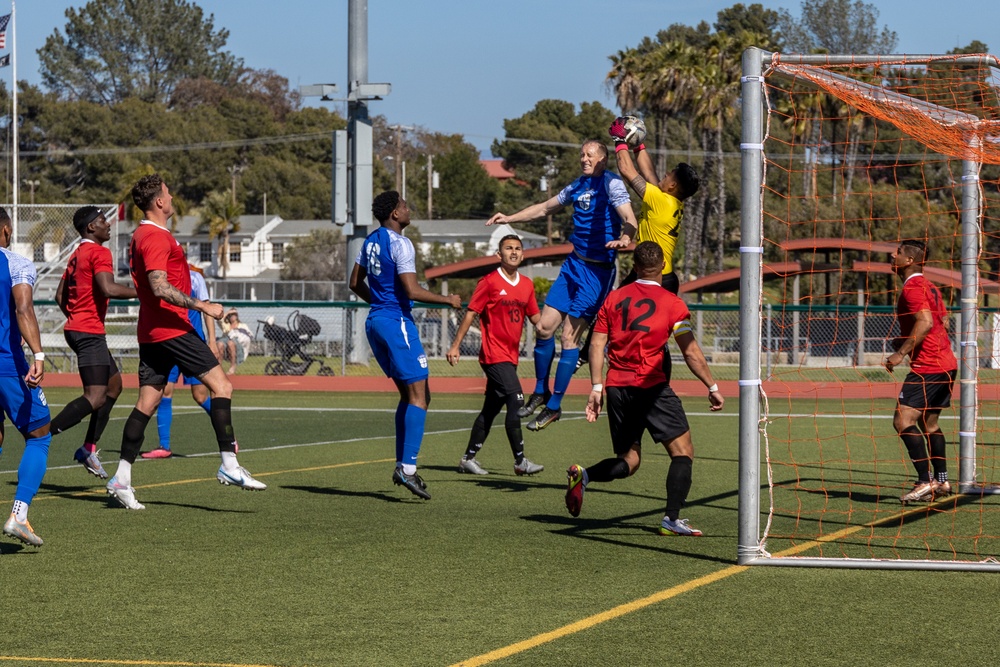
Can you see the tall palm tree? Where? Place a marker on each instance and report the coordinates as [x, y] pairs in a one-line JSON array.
[[222, 216]]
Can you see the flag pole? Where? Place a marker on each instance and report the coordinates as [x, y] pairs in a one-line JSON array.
[[13, 120]]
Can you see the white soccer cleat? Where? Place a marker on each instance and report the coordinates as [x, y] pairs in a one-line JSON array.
[[240, 477], [472, 467], [124, 495]]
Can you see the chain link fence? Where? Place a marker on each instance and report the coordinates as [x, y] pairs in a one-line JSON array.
[[329, 338]]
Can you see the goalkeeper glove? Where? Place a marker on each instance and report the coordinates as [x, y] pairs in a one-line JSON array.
[[617, 130]]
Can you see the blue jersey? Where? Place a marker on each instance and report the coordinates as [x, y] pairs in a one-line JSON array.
[[595, 220], [384, 256], [199, 290], [14, 270]]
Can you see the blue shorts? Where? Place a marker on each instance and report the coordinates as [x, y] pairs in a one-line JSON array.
[[27, 408], [580, 288], [175, 373], [396, 346]]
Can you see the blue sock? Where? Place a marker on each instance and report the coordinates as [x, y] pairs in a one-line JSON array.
[[415, 418], [400, 430], [564, 373], [164, 415], [207, 405], [32, 468], [545, 352]]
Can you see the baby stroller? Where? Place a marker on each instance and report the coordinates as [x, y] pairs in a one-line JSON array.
[[289, 343]]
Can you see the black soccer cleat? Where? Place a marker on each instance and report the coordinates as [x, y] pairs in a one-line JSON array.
[[535, 401], [414, 483], [544, 418]]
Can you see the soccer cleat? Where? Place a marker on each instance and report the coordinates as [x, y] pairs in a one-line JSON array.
[[471, 466], [526, 467], [921, 492], [91, 462], [544, 418], [679, 527], [124, 495], [535, 401], [413, 483], [158, 453], [941, 489], [21, 531], [239, 477], [575, 486]]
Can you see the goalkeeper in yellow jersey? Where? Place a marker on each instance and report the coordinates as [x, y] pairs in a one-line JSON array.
[[662, 200]]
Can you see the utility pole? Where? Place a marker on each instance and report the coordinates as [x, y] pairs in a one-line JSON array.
[[235, 171], [430, 186], [400, 169]]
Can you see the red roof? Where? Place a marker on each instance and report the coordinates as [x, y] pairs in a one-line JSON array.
[[495, 169]]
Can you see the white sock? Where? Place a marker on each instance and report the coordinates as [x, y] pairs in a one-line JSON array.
[[229, 461], [409, 469], [124, 473], [20, 511]]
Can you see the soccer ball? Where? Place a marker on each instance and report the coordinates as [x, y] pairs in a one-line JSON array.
[[635, 130]]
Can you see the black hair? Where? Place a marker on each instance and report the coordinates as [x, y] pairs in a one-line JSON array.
[[915, 249], [146, 190], [84, 216], [510, 237], [687, 178], [4, 217], [384, 204], [647, 255]]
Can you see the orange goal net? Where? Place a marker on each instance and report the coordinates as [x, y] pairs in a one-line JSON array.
[[844, 157]]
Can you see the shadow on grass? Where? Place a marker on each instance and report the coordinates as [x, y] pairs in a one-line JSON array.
[[11, 548], [330, 491]]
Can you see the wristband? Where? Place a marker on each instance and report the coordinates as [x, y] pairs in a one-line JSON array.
[[714, 388], [598, 388], [640, 147], [621, 146], [39, 356]]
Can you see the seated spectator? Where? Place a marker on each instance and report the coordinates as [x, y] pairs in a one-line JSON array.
[[235, 341]]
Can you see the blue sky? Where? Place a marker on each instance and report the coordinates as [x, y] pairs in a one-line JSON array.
[[463, 66]]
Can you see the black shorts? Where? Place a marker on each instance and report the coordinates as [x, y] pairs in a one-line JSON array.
[[632, 410], [669, 281], [187, 352], [927, 392], [91, 349], [501, 380]]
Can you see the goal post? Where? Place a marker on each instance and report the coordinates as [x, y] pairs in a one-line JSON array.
[[831, 499]]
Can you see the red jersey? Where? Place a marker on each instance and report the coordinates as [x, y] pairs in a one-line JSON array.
[[85, 302], [503, 306], [933, 354], [155, 249], [639, 320]]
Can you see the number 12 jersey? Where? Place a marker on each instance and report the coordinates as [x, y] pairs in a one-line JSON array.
[[639, 320]]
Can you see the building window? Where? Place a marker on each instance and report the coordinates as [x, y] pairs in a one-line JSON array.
[[277, 253], [235, 253], [204, 252]]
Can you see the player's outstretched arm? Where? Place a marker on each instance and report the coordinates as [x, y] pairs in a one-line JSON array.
[[533, 212], [695, 360], [112, 290], [417, 293], [162, 288], [628, 171], [463, 328], [358, 284], [644, 164], [24, 310]]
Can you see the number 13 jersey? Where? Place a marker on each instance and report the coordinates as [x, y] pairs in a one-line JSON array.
[[639, 320], [503, 306]]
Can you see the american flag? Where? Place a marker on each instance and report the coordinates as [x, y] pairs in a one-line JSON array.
[[4, 20]]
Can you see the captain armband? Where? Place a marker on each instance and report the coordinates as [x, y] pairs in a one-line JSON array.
[[683, 327]]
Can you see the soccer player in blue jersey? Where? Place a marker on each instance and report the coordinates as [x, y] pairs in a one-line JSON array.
[[385, 275], [603, 222], [21, 395], [199, 392]]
